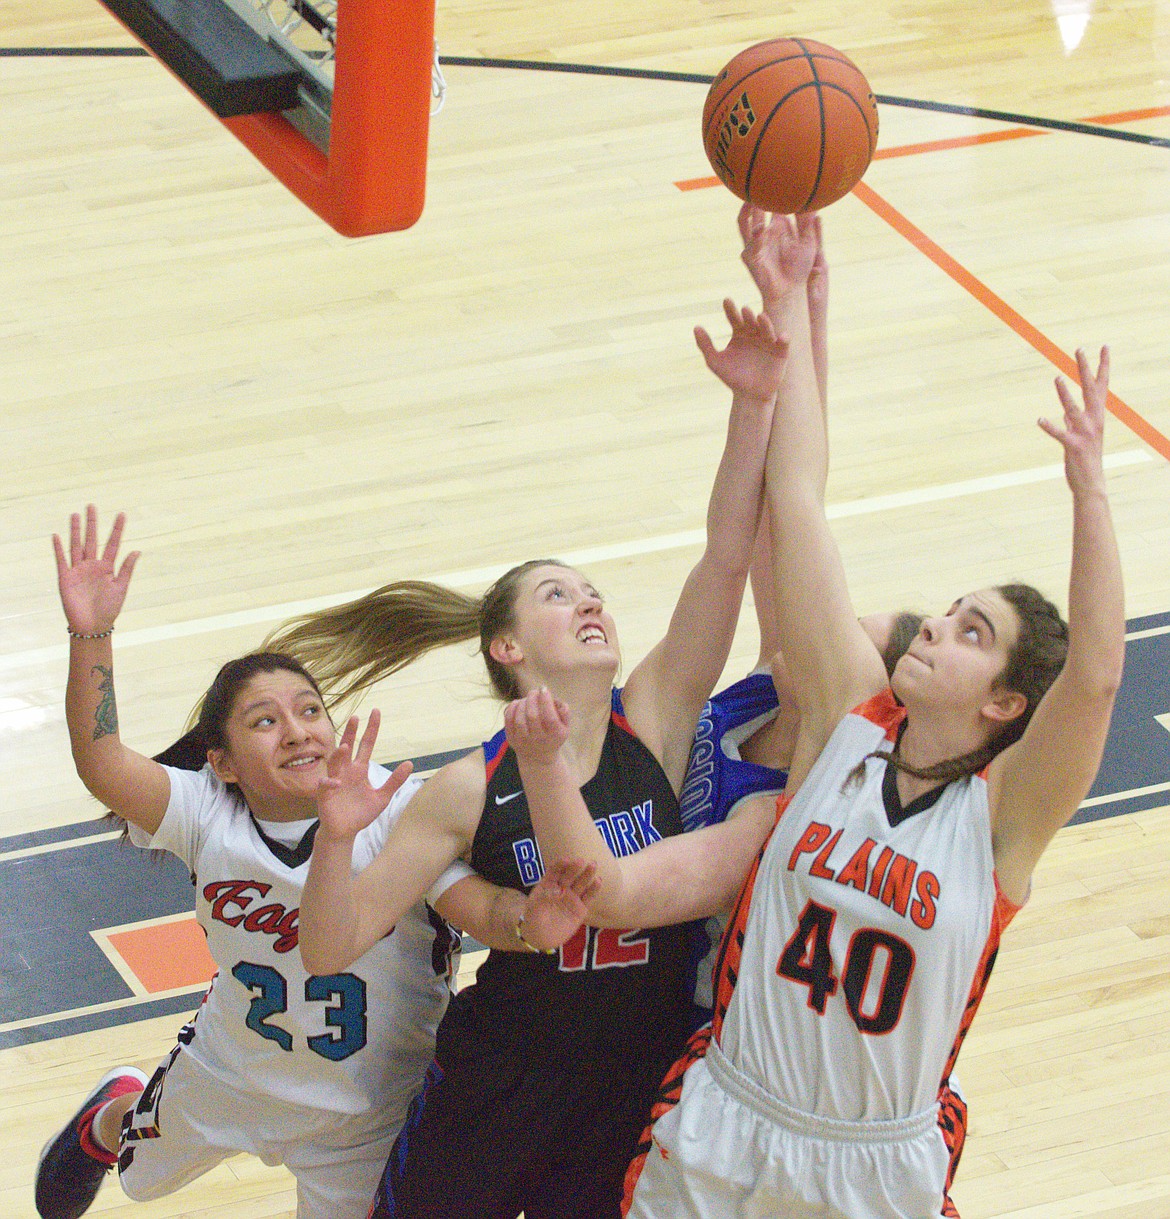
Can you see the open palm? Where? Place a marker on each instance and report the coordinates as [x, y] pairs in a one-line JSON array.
[[346, 800], [752, 363], [92, 585]]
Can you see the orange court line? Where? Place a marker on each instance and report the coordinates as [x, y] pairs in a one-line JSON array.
[[958, 141], [1002, 310]]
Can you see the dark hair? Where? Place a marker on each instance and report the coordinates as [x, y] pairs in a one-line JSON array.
[[352, 646], [1033, 664], [905, 627], [208, 731]]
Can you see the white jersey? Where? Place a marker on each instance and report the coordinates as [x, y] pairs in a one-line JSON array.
[[860, 949], [352, 1042]]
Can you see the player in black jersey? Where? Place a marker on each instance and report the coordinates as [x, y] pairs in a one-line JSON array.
[[545, 1068]]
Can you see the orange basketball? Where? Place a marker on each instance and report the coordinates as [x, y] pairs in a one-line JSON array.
[[790, 125]]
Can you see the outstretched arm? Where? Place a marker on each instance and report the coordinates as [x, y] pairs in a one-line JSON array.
[[510, 921], [344, 914], [667, 690], [683, 877], [765, 255], [1036, 785], [93, 590], [831, 661]]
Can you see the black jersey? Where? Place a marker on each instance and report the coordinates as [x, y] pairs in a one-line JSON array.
[[606, 994]]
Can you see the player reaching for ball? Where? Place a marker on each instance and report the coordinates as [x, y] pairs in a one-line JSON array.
[[863, 938], [307, 1070], [545, 1068]]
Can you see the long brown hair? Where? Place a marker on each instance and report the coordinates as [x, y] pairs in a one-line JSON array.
[[1033, 664], [350, 647]]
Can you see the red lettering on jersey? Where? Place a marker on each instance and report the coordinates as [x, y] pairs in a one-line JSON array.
[[899, 882], [923, 909], [856, 871], [879, 871], [811, 840], [272, 919], [820, 864], [224, 893]]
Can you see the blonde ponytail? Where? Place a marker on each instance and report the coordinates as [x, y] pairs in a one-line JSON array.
[[350, 647]]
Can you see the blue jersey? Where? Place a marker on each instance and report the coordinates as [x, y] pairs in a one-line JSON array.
[[718, 779]]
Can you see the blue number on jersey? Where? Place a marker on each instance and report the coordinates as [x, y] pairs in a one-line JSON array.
[[348, 1016]]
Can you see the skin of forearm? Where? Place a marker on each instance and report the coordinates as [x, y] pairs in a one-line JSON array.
[[733, 511], [1096, 604], [330, 914], [91, 711], [489, 914], [797, 458], [564, 828]]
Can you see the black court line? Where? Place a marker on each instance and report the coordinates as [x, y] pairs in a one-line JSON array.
[[72, 52], [689, 78]]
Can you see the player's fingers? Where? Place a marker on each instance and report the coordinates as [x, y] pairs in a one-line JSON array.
[[74, 539], [110, 554], [705, 345], [366, 745], [89, 544], [348, 736], [398, 776], [128, 565]]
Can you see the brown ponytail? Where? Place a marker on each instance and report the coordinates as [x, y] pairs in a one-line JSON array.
[[350, 647]]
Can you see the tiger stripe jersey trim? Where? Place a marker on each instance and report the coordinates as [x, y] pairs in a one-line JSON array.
[[668, 1096], [727, 962]]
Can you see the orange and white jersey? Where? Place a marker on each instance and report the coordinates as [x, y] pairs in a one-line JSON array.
[[863, 941]]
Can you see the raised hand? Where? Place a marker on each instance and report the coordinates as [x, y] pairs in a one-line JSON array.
[[537, 726], [752, 363], [1082, 436], [556, 906], [92, 586], [778, 251], [346, 800]]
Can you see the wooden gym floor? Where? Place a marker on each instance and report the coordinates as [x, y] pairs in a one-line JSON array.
[[288, 418]]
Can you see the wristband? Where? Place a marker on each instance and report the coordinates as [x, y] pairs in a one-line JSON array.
[[78, 635], [544, 952]]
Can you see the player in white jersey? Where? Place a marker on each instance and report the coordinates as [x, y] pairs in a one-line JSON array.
[[863, 938], [315, 1072]]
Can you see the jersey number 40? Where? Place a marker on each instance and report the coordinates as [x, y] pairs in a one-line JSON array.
[[876, 977]]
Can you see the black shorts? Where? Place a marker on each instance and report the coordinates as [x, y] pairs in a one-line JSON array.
[[492, 1136]]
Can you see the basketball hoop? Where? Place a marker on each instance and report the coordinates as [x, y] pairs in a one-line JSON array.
[[335, 100]]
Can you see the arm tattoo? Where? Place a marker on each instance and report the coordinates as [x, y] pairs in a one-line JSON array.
[[105, 717]]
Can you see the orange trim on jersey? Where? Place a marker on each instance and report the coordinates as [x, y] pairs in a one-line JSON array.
[[882, 710], [1002, 914], [952, 1123], [668, 1096], [490, 765], [726, 971]]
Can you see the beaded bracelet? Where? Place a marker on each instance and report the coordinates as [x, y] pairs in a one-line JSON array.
[[78, 635], [531, 947]]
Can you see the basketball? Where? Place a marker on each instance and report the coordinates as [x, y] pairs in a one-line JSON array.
[[790, 125]]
